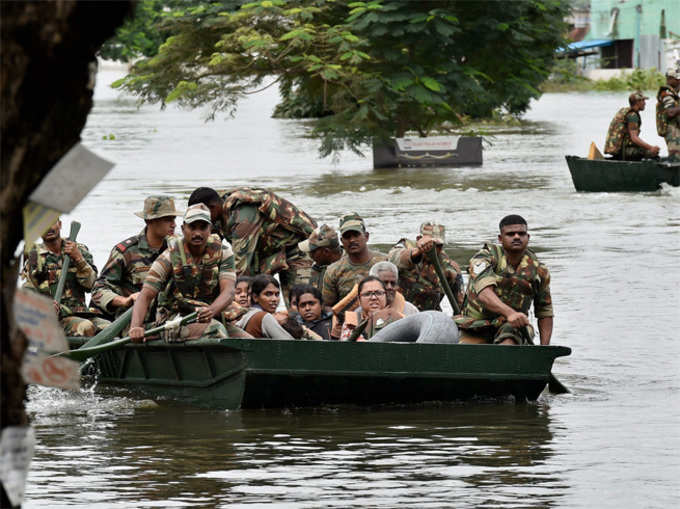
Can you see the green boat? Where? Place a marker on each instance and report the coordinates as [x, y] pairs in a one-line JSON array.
[[609, 175], [268, 373]]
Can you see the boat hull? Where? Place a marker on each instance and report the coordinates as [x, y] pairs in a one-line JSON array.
[[242, 373], [608, 175]]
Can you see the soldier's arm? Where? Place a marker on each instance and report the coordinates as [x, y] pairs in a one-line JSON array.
[[545, 328], [329, 293], [634, 133], [241, 229], [227, 279], [543, 308], [107, 292], [155, 280], [668, 107], [400, 255], [86, 271]]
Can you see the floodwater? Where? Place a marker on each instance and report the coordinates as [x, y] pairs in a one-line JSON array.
[[614, 442]]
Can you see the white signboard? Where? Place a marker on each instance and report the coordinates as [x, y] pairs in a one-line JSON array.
[[428, 143], [35, 315], [76, 173], [16, 451]]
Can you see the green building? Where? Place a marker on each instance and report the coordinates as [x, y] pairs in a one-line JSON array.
[[635, 33]]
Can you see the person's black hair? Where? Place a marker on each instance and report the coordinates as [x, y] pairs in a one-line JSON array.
[[205, 195], [370, 278], [511, 219], [260, 282], [244, 279], [302, 289]]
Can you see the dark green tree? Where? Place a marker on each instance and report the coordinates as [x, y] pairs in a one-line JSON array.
[[366, 71]]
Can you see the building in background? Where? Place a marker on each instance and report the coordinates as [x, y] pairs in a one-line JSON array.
[[626, 35]]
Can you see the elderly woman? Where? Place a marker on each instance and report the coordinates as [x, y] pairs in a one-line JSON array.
[[261, 320], [374, 314], [388, 273]]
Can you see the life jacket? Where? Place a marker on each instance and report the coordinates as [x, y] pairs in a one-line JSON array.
[[515, 287], [192, 285], [661, 117], [617, 132]]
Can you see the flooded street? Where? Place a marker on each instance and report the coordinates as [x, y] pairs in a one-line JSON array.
[[613, 443]]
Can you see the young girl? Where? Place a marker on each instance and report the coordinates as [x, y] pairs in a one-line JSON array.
[[260, 320]]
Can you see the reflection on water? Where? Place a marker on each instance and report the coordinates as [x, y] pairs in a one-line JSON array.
[[473, 453], [613, 258]]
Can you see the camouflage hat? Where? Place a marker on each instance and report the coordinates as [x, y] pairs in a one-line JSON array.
[[352, 221], [436, 231], [197, 212], [673, 73], [323, 236], [158, 206], [636, 96]]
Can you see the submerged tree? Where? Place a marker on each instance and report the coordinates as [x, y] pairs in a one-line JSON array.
[[365, 71]]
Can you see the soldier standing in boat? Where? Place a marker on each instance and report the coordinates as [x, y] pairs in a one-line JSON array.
[[417, 277], [121, 278], [264, 230], [623, 137], [668, 114], [43, 270], [195, 273], [353, 266], [323, 248], [504, 281]]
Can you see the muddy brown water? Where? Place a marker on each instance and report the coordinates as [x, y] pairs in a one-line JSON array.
[[613, 443]]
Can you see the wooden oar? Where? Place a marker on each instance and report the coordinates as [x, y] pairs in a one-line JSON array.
[[75, 228], [434, 257], [106, 335], [84, 353]]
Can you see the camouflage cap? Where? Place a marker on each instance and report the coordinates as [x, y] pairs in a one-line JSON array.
[[436, 231], [158, 206], [673, 72], [352, 221], [197, 212], [636, 96], [323, 236]]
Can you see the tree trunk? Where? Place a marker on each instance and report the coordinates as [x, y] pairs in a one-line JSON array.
[[47, 77]]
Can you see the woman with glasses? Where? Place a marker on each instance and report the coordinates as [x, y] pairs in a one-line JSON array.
[[374, 314]]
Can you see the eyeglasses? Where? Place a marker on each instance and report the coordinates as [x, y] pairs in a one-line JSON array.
[[376, 294]]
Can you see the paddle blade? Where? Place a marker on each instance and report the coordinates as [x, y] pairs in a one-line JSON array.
[[557, 387], [112, 331]]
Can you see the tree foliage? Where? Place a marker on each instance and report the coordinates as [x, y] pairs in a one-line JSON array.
[[365, 71]]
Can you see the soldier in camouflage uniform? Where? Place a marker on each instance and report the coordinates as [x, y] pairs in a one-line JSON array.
[[121, 278], [195, 273], [668, 114], [264, 230], [323, 248], [418, 280], [623, 137], [43, 270], [504, 281], [354, 265]]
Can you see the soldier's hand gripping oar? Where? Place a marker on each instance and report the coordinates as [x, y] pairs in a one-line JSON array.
[[83, 353], [434, 257], [75, 228]]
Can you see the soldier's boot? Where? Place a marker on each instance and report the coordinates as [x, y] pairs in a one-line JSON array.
[[74, 326]]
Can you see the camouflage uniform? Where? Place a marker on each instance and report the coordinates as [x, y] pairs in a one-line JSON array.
[[418, 280], [124, 271], [517, 288], [618, 143], [264, 230], [669, 128], [42, 272], [342, 275], [184, 284], [323, 236]]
